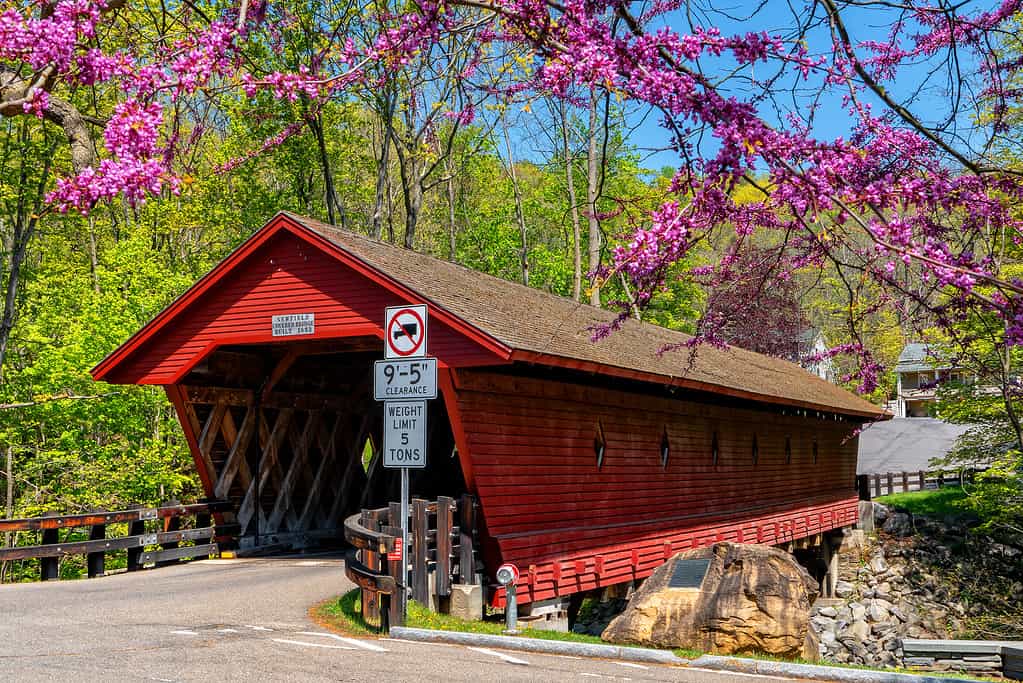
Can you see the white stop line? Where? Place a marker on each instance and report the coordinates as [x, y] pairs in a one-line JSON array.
[[361, 644]]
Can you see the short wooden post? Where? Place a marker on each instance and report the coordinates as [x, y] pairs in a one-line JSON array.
[[877, 485], [170, 524], [96, 562], [442, 578], [49, 568], [136, 528], [370, 599], [905, 481], [420, 529], [391, 610], [466, 525], [891, 483], [923, 479]]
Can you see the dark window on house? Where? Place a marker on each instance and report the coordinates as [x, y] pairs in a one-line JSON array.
[[788, 450], [665, 449], [756, 450], [599, 445], [714, 451]]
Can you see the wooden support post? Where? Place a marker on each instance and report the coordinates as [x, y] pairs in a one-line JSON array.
[[905, 481], [877, 485], [392, 610], [95, 562], [420, 528], [442, 578], [48, 566], [135, 528], [923, 479], [863, 486], [466, 526], [170, 524], [370, 558], [891, 484]]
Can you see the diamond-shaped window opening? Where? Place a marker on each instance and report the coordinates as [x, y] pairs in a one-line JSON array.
[[599, 445], [788, 450], [665, 449], [815, 451], [756, 449], [714, 450]]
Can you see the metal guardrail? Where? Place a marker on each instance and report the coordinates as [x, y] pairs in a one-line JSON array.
[[437, 546], [158, 529]]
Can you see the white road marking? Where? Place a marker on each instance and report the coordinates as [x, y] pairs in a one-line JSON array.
[[184, 632], [227, 630], [634, 666], [258, 628], [323, 645], [418, 642], [499, 655], [566, 656], [362, 644]]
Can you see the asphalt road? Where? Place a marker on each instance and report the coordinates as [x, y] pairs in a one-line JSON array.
[[246, 620]]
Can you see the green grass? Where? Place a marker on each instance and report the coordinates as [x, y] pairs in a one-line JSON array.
[[939, 502], [345, 614]]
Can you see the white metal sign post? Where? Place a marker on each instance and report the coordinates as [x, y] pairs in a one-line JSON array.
[[403, 382]]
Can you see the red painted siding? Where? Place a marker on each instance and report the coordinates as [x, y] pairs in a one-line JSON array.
[[284, 275], [548, 507]]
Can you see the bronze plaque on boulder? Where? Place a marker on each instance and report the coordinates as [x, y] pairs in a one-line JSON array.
[[688, 573]]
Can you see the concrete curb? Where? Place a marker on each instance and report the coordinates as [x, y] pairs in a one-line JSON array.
[[549, 647], [811, 671]]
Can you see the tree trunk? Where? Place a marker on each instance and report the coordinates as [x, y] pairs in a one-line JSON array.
[[335, 212], [524, 249], [592, 188], [452, 226], [383, 176], [577, 257]]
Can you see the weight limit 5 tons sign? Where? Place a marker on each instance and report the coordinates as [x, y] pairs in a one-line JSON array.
[[405, 434]]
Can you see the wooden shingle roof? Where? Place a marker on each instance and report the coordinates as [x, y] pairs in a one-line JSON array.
[[547, 329]]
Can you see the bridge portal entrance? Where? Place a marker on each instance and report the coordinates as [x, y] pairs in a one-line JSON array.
[[289, 433]]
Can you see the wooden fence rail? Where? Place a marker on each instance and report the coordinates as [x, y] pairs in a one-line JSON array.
[[884, 483], [158, 529], [438, 546]]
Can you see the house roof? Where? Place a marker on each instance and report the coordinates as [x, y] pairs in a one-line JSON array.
[[905, 444], [915, 357], [552, 330], [528, 325]]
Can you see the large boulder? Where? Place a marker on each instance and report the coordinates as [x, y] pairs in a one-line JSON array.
[[753, 599]]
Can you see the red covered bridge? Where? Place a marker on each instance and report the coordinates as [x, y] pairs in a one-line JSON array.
[[591, 462]]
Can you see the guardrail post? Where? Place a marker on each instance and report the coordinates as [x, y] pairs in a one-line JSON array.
[[877, 485], [392, 610], [96, 562], [136, 527], [891, 484], [170, 524], [420, 528], [905, 481], [49, 567], [442, 578], [370, 604], [923, 479]]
